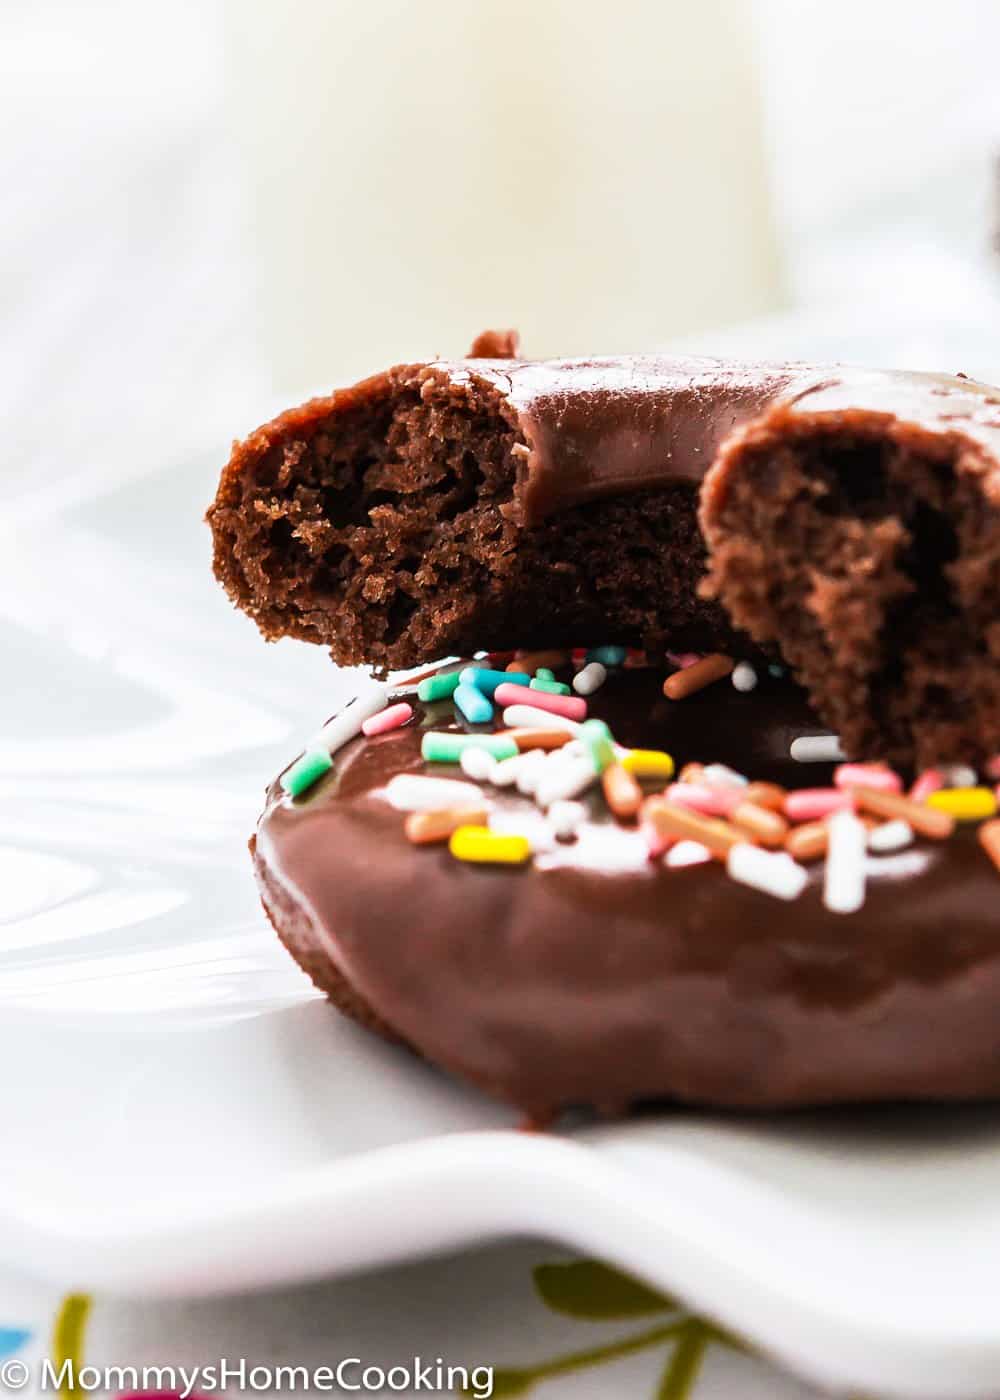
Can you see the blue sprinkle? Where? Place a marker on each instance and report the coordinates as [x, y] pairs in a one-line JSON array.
[[486, 682], [473, 704], [775, 670], [607, 656]]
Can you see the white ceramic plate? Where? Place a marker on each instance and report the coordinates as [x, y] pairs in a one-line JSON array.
[[182, 1115]]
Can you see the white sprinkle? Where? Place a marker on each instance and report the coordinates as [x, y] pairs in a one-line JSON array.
[[687, 853], [530, 771], [565, 817], [565, 780], [890, 836], [718, 775], [817, 748], [744, 676], [523, 822], [531, 717], [507, 770], [958, 775], [591, 678], [844, 883], [477, 764], [772, 872], [409, 792], [346, 725]]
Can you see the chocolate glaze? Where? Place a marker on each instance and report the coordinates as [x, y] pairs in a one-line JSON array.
[[598, 977], [599, 427]]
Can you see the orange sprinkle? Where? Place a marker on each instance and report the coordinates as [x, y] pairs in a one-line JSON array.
[[769, 795], [808, 842], [927, 820], [674, 822], [423, 828], [696, 677], [538, 738], [764, 826], [621, 791], [989, 839], [692, 773], [529, 661]]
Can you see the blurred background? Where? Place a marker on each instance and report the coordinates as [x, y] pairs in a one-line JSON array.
[[219, 206]]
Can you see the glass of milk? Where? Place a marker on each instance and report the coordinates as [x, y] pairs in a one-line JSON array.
[[591, 173]]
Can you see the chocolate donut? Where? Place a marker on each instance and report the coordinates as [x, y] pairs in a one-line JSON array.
[[853, 522], [597, 975]]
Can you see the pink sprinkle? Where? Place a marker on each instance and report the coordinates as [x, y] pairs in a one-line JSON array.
[[993, 767], [569, 706], [682, 659], [157, 1395], [867, 775], [930, 780], [390, 718], [709, 801], [812, 804]]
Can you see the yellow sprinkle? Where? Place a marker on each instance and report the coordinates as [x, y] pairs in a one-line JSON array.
[[969, 804], [478, 843], [648, 763]]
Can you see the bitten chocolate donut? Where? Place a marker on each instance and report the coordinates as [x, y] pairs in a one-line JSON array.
[[600, 969], [853, 521]]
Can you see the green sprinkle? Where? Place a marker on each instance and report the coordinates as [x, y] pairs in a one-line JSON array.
[[438, 747], [596, 735], [607, 656], [544, 674], [305, 771], [439, 687], [550, 687]]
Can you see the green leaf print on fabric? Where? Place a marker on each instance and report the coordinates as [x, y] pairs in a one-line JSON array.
[[587, 1288], [679, 1378], [590, 1291]]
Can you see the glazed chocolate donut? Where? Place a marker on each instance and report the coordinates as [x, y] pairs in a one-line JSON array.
[[597, 975], [853, 521]]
